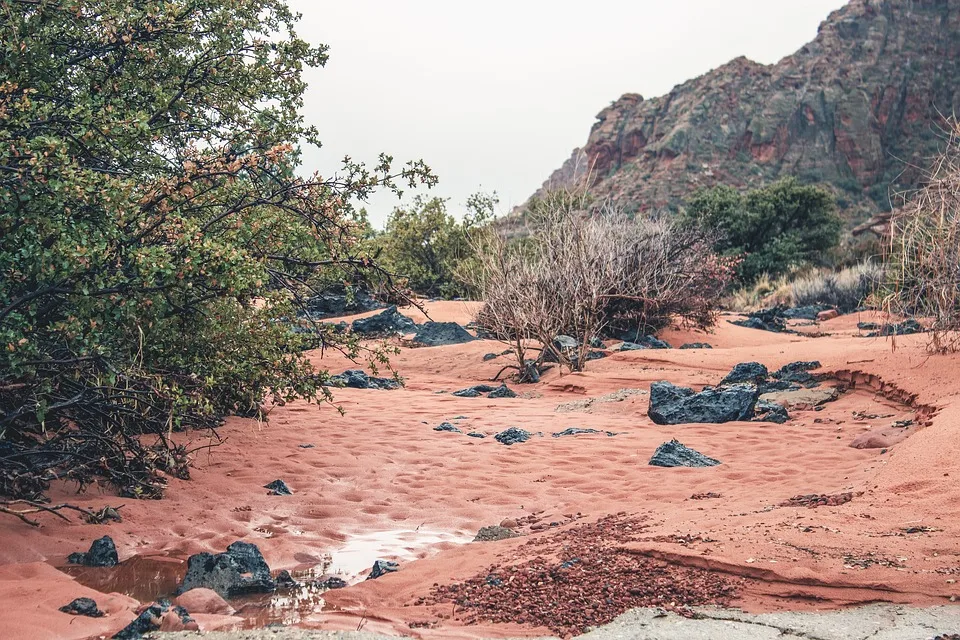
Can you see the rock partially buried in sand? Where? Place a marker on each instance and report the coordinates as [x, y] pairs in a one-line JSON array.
[[201, 600], [513, 435], [770, 412], [798, 372], [502, 392], [446, 426], [382, 568], [357, 379], [438, 334], [476, 434], [574, 431], [828, 314], [240, 570], [696, 345], [103, 553], [389, 321], [493, 392], [494, 533], [278, 488], [83, 607], [670, 404], [800, 399], [674, 454], [148, 620]]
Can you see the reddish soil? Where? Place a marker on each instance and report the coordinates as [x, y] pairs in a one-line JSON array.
[[380, 483]]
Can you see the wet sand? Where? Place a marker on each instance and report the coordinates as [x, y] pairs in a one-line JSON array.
[[380, 483]]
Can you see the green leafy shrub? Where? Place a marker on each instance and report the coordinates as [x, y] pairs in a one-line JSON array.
[[775, 229], [154, 232], [430, 248]]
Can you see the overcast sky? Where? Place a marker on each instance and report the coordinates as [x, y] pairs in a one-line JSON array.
[[495, 95]]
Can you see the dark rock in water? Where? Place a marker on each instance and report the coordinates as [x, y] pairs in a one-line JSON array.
[[333, 582], [438, 334], [103, 553], [696, 345], [805, 313], [574, 431], [798, 372], [490, 356], [765, 320], [446, 426], [339, 301], [278, 488], [494, 533], [148, 620], [513, 435], [357, 379], [239, 570], [467, 393], [770, 412], [674, 454], [474, 434], [286, 581], [502, 392], [747, 372], [905, 328], [83, 607], [382, 568], [670, 404], [386, 322]]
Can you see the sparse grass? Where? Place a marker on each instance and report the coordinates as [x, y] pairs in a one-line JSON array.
[[846, 290]]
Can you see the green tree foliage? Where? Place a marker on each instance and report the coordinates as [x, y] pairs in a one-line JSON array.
[[774, 229], [432, 249], [154, 229]]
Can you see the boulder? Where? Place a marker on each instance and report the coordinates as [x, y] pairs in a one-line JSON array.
[[753, 372], [467, 393], [239, 570], [103, 553], [83, 607], [148, 620], [765, 320], [278, 488], [907, 327], [202, 600], [674, 454], [438, 334], [809, 312], [643, 342], [513, 435], [387, 322], [341, 301], [670, 404], [357, 379], [382, 568], [446, 426]]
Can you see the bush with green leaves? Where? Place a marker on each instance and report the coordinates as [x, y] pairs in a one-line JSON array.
[[432, 250], [155, 231], [774, 229]]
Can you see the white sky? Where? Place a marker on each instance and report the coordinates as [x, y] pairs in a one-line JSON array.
[[495, 95]]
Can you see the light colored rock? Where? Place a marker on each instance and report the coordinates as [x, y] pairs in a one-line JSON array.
[[829, 314], [204, 601], [801, 399]]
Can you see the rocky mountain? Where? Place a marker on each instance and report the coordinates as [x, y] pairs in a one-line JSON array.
[[861, 108]]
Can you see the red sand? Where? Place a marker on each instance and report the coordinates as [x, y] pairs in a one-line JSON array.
[[381, 468]]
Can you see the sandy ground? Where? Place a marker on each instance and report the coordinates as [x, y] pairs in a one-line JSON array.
[[379, 482]]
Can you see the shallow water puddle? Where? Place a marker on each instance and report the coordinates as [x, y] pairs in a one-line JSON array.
[[148, 578]]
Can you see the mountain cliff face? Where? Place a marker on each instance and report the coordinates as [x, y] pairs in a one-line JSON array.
[[860, 108]]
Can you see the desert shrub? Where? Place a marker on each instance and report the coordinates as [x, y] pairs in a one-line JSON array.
[[577, 274], [846, 289], [923, 255], [430, 248], [763, 292], [774, 230], [155, 232]]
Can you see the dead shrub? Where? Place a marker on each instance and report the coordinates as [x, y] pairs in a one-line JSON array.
[[846, 290], [578, 274], [923, 254]]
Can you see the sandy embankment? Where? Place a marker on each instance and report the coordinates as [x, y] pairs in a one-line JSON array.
[[381, 468]]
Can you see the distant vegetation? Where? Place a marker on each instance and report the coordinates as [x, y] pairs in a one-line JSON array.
[[154, 231], [432, 250], [773, 230]]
